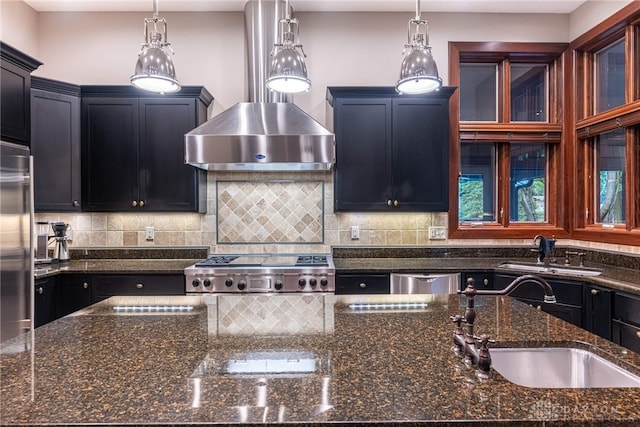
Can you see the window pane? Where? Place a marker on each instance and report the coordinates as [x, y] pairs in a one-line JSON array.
[[528, 183], [477, 182], [610, 169], [528, 93], [478, 92], [609, 75]]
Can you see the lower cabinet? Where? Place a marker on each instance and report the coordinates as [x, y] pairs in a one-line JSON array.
[[353, 284], [481, 279], [105, 286], [75, 293], [626, 321], [598, 310], [45, 300], [569, 297]]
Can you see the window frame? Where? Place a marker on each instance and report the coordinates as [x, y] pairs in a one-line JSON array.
[[588, 125], [503, 133]]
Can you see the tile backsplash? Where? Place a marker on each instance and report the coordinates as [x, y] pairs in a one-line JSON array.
[[250, 212]]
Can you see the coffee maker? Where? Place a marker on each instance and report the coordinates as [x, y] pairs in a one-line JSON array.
[[43, 229], [60, 249]]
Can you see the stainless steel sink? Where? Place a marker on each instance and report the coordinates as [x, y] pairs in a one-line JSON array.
[[559, 367], [552, 269]]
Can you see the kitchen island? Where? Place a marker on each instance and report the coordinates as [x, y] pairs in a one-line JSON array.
[[308, 359]]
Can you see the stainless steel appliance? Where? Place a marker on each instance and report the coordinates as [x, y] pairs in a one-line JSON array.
[[43, 228], [16, 250], [61, 248], [262, 273], [414, 283]]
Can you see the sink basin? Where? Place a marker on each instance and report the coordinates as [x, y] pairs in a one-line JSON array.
[[552, 269], [559, 368]]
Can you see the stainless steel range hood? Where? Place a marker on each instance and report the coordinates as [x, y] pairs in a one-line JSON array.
[[268, 133]]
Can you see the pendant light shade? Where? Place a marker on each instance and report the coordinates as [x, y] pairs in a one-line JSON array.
[[288, 69], [154, 70], [419, 72]]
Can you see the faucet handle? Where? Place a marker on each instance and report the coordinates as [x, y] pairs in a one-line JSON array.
[[484, 341], [457, 319]]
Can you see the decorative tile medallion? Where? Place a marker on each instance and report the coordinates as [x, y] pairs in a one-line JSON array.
[[270, 211]]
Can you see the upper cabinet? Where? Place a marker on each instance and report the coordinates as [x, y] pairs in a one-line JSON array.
[[133, 150], [15, 84], [55, 145], [392, 151]]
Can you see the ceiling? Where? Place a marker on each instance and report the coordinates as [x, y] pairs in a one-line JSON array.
[[477, 6]]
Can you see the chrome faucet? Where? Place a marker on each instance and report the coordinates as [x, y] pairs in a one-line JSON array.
[[465, 342], [545, 249]]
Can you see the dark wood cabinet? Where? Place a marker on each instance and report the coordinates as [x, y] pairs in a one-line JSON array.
[[133, 150], [105, 286], [569, 297], [598, 310], [353, 284], [75, 293], [481, 279], [15, 86], [55, 145], [626, 321], [45, 301], [392, 151]]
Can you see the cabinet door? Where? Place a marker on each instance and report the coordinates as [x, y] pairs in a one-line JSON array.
[[421, 154], [110, 168], [362, 179], [14, 88], [598, 310], [45, 301], [481, 279], [166, 182], [626, 335], [55, 146], [75, 293]]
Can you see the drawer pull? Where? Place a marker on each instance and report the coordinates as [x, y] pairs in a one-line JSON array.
[[75, 204], [594, 292], [134, 203], [363, 285], [485, 282], [139, 285], [638, 334], [40, 290], [85, 285], [141, 203]]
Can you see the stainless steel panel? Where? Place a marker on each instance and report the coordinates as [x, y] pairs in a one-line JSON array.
[[424, 283]]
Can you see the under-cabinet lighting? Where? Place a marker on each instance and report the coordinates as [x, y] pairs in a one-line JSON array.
[[153, 308], [390, 306]]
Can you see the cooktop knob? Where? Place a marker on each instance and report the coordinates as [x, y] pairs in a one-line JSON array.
[[324, 281], [228, 283], [242, 284], [302, 282], [313, 282], [278, 285], [195, 283], [206, 283]]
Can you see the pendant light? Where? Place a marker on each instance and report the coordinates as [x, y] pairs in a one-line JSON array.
[[418, 73], [288, 69], [154, 69]]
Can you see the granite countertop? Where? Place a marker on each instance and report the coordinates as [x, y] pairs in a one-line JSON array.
[[308, 359], [115, 266]]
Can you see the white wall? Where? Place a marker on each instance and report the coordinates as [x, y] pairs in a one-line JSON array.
[[592, 13]]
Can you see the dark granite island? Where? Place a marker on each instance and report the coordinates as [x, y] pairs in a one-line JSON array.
[[305, 359]]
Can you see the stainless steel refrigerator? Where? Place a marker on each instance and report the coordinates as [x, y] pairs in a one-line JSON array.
[[16, 250]]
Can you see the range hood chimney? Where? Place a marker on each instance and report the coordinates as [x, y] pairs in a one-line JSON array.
[[268, 133]]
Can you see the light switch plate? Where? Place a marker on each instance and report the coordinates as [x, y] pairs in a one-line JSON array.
[[355, 232], [437, 233], [149, 233]]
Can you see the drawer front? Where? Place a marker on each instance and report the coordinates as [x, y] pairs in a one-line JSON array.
[[481, 279], [351, 284], [152, 284], [627, 309], [626, 335]]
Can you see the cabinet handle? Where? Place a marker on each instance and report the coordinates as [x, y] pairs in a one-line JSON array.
[[134, 203], [539, 308], [638, 334], [41, 290], [75, 204], [594, 292], [85, 285], [389, 203], [395, 203], [141, 203], [363, 285], [139, 285], [485, 282]]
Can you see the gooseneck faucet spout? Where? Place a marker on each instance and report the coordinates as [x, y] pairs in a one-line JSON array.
[[464, 338]]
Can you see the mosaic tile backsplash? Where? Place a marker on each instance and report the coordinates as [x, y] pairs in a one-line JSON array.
[[270, 211]]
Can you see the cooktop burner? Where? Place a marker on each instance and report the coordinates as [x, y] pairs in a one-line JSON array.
[[264, 260]]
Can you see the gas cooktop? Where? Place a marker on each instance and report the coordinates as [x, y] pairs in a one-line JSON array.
[[262, 273]]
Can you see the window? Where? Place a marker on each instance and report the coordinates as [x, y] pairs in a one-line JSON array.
[[607, 145], [509, 135]]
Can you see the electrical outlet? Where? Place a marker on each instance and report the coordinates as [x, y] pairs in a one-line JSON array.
[[437, 233], [355, 232], [148, 233]]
